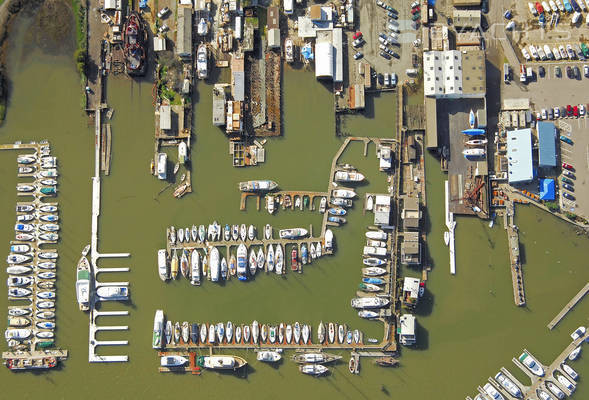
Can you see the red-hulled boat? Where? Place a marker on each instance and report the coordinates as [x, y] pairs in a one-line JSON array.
[[293, 260], [135, 45]]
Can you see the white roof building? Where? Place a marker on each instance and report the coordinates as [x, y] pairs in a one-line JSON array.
[[407, 324], [324, 60], [442, 73], [410, 291], [337, 40], [382, 210], [159, 43], [165, 117]]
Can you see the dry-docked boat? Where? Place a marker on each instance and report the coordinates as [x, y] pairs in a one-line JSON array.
[[292, 233], [349, 176], [162, 265], [315, 358], [221, 362], [288, 50], [258, 186], [202, 61], [135, 47], [369, 302]]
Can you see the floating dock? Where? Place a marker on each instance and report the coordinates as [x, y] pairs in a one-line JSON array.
[[569, 306], [517, 278], [451, 225]]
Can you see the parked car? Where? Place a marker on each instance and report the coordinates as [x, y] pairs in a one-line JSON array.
[[391, 9], [393, 79], [357, 35], [526, 54], [566, 139], [577, 72], [568, 196], [582, 109], [380, 79], [415, 10], [567, 166], [568, 187], [570, 52], [550, 114], [558, 71], [163, 28], [566, 180], [393, 27], [507, 14], [556, 112], [569, 174], [387, 79], [576, 111], [392, 15], [385, 55], [380, 3], [569, 72], [544, 114], [416, 16], [163, 12], [569, 110], [358, 42], [485, 6], [358, 55], [541, 71]]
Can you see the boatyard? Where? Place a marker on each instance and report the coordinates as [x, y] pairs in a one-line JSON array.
[[32, 265]]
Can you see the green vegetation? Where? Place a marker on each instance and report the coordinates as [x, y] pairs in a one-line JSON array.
[[552, 206], [81, 53]]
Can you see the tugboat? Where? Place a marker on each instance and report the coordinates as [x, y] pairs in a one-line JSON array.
[[135, 49], [202, 61]]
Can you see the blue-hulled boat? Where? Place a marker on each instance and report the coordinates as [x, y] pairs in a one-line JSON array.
[[474, 132]]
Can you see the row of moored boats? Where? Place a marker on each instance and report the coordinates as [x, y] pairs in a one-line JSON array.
[[31, 271]]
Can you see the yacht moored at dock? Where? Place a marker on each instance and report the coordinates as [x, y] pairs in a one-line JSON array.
[[258, 186]]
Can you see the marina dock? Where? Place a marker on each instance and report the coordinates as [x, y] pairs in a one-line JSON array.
[[95, 255], [451, 225], [282, 195], [517, 278], [570, 305]]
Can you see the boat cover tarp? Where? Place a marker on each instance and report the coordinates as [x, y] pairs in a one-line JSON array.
[[143, 4], [307, 52], [547, 191]]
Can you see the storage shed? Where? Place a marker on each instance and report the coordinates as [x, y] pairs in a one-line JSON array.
[[324, 60]]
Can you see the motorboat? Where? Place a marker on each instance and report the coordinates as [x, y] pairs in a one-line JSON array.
[[474, 153], [471, 119], [26, 159], [317, 250], [251, 232], [331, 332], [24, 237], [306, 333], [229, 331], [227, 233], [253, 262], [48, 190], [338, 201], [473, 132], [369, 203], [235, 232], [48, 285], [268, 231], [24, 218], [293, 233], [221, 362], [348, 176], [49, 208], [270, 258], [268, 356], [19, 269], [376, 235], [238, 334], [328, 239], [349, 337], [24, 188], [17, 334], [344, 193], [264, 333], [566, 383], [49, 173], [46, 265], [369, 302], [49, 236], [184, 264], [257, 186], [373, 271], [113, 292], [174, 265], [368, 287], [18, 258], [304, 254], [158, 329], [272, 333], [261, 258], [214, 263], [19, 292], [578, 333], [387, 361], [177, 332], [194, 233], [279, 259], [531, 364], [281, 333], [203, 333], [289, 50], [575, 353], [375, 243], [224, 268], [24, 227], [570, 371], [19, 281], [296, 332], [18, 322], [26, 170], [313, 369], [201, 233], [270, 204], [337, 211], [181, 235], [247, 333], [321, 333], [492, 392], [243, 232], [242, 262], [367, 314], [172, 232], [19, 312], [202, 27], [25, 208], [202, 61], [476, 142], [373, 261], [48, 255], [315, 357], [162, 159], [49, 182], [162, 265], [185, 331], [288, 333], [341, 333], [555, 390], [45, 315], [255, 332], [46, 295], [173, 361], [20, 248], [323, 205], [49, 227], [194, 333], [508, 385], [294, 259], [45, 325], [195, 267]]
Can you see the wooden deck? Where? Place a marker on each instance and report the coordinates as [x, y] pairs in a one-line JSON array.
[[569, 306]]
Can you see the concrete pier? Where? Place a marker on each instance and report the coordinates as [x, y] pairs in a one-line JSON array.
[[569, 306]]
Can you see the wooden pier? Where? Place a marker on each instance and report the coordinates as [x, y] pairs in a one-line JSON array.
[[569, 306], [517, 278], [281, 195]]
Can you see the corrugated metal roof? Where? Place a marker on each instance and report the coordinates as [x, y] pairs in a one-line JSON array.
[[339, 59], [184, 32], [165, 117], [274, 38], [546, 144]]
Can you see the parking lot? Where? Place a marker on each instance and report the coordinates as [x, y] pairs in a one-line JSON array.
[[552, 91], [373, 21]]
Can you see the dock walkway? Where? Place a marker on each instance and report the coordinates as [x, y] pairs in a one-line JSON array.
[[569, 306], [517, 278]]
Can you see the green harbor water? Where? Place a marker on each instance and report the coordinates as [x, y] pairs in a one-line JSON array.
[[468, 325]]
